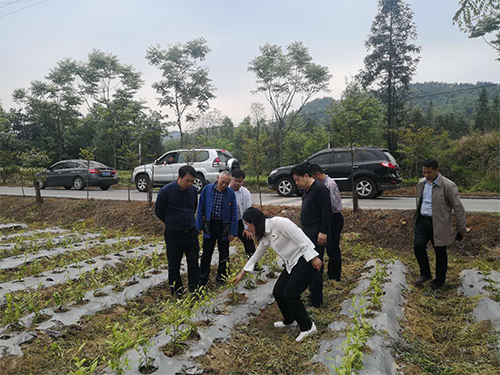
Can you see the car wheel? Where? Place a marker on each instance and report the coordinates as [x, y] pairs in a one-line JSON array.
[[286, 187], [199, 182], [104, 187], [78, 183], [141, 182], [67, 187], [366, 188]]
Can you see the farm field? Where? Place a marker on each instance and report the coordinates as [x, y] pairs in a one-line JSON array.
[[83, 289]]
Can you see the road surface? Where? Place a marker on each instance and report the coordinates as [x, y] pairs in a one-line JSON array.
[[471, 205]]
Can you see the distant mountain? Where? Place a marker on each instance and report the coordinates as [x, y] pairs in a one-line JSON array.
[[445, 97]]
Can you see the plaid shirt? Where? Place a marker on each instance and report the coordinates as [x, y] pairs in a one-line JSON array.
[[334, 194], [217, 207]]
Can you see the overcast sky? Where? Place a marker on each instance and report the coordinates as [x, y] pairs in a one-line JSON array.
[[34, 39]]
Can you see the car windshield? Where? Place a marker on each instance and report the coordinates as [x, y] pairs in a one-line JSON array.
[[95, 164]]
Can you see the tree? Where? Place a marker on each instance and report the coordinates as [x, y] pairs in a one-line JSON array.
[[357, 117], [108, 88], [255, 147], [185, 85], [415, 145], [391, 62], [282, 77], [495, 113], [353, 118], [482, 120], [479, 18]]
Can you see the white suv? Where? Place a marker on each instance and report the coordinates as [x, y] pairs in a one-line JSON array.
[[208, 163]]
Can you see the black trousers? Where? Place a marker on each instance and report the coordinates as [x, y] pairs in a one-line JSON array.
[[423, 234], [287, 291], [247, 242], [333, 247], [208, 250], [316, 285], [179, 243]]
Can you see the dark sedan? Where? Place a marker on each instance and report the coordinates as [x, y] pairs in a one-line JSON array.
[[78, 174]]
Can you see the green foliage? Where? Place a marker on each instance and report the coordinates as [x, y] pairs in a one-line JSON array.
[[281, 76], [392, 60], [119, 342], [184, 85]]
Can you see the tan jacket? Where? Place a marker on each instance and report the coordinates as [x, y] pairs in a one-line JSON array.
[[444, 198]]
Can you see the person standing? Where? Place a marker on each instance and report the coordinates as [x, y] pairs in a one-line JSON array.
[[333, 245], [244, 201], [217, 217], [176, 205], [436, 197], [315, 220], [301, 263]]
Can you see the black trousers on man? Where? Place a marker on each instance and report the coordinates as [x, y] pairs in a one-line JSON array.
[[333, 247], [247, 242], [423, 234], [208, 250], [287, 291], [179, 243], [316, 285]]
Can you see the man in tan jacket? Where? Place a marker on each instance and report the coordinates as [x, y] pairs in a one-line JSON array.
[[436, 197]]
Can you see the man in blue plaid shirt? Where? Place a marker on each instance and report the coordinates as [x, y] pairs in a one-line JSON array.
[[217, 217]]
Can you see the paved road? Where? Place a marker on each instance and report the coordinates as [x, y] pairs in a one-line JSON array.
[[478, 205]]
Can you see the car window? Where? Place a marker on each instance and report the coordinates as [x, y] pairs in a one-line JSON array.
[[185, 157], [95, 164], [341, 157], [224, 155], [321, 159], [58, 167], [169, 158], [369, 155], [72, 165], [201, 156], [391, 158]]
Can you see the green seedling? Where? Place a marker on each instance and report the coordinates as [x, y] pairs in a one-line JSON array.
[[119, 342]]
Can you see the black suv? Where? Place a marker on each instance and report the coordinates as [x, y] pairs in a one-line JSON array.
[[375, 170]]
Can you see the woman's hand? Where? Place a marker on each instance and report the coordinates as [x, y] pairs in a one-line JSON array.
[[316, 263], [238, 278]]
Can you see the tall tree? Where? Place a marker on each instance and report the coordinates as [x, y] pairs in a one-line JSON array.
[[479, 18], [482, 120], [282, 77], [495, 113], [185, 85], [392, 59], [255, 147]]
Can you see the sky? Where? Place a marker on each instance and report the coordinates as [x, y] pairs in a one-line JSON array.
[[32, 40]]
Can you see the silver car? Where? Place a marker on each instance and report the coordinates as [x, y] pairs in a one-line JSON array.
[[208, 163]]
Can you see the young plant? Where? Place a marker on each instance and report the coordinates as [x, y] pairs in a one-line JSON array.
[[13, 310], [80, 367], [120, 341]]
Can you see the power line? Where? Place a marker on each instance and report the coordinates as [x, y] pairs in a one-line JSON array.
[[18, 10], [7, 3]]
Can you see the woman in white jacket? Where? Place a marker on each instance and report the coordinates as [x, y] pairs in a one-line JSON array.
[[300, 259]]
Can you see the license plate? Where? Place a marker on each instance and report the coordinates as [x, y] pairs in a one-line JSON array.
[[106, 173]]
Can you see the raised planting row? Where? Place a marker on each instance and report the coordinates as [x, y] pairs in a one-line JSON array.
[[26, 258], [374, 312]]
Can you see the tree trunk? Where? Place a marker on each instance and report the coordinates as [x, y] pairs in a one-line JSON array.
[[38, 199], [179, 125], [258, 189], [280, 141], [355, 203]]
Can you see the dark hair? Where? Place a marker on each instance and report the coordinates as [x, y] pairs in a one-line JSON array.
[[185, 169], [238, 173], [301, 170], [430, 163], [255, 216], [315, 168]]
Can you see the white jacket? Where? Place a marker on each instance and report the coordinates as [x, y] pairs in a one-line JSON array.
[[287, 239]]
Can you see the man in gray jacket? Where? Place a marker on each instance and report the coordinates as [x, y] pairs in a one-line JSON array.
[[436, 197]]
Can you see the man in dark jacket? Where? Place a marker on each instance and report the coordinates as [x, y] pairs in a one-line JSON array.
[[175, 206], [217, 217], [315, 220]]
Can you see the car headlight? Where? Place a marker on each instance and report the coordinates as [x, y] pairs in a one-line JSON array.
[[273, 172]]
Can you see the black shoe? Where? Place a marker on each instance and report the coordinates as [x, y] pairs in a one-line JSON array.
[[436, 286], [316, 305], [422, 279]]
